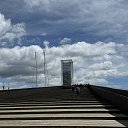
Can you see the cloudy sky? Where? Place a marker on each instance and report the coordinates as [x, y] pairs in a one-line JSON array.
[[93, 33]]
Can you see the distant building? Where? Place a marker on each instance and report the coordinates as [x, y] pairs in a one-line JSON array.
[[66, 73]]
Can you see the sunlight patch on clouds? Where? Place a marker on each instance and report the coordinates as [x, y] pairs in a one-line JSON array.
[[46, 43], [65, 41], [18, 63]]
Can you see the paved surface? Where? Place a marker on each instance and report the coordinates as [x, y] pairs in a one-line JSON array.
[[83, 111]]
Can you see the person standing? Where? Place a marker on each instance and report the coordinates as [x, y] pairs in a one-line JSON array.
[[77, 91]]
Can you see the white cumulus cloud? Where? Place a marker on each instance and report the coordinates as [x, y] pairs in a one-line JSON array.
[[8, 31], [93, 63], [65, 41]]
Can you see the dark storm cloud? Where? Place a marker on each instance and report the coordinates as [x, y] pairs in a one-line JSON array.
[[99, 19]]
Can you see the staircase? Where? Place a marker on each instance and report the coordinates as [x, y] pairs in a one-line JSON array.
[[61, 110]]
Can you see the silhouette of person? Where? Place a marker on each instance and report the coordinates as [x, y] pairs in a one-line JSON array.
[[77, 91], [3, 87]]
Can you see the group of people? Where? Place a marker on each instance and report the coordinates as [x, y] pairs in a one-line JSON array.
[[75, 90]]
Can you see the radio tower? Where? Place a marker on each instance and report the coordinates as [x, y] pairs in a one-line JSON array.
[[45, 80], [36, 68], [45, 70]]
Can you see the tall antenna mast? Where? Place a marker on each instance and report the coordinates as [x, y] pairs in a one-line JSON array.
[[36, 68], [44, 67]]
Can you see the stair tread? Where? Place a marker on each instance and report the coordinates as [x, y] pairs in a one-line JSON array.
[[50, 110], [104, 123], [94, 115]]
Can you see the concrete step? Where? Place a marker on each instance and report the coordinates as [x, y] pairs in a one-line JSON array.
[[60, 110], [87, 116], [56, 107], [53, 101], [62, 123], [73, 112], [57, 104]]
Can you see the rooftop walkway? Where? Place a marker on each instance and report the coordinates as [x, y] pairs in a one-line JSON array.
[[57, 107]]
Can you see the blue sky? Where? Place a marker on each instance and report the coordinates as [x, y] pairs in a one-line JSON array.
[[91, 32]]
